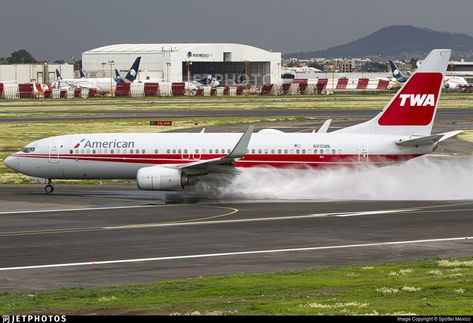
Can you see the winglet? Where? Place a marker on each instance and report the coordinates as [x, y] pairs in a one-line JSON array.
[[240, 149]]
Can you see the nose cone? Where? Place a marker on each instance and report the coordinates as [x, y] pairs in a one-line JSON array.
[[9, 162]]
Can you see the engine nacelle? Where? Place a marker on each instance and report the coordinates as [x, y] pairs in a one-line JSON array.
[[158, 178]]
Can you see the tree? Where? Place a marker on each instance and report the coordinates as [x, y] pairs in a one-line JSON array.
[[21, 56]]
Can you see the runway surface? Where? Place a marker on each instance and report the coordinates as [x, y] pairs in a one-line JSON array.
[[95, 235]]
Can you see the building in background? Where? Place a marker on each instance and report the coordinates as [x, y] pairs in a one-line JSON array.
[[173, 62], [28, 73]]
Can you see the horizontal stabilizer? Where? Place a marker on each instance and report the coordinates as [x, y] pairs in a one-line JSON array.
[[427, 140]]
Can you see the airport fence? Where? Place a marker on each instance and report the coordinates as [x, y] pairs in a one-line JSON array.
[[296, 87]]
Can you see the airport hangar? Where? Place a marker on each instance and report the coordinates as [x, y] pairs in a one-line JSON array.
[[169, 62]]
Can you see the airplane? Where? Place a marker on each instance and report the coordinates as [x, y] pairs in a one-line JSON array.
[[401, 78], [172, 161], [209, 80], [102, 84], [450, 82]]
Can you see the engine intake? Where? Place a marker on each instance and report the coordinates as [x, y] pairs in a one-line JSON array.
[[158, 178]]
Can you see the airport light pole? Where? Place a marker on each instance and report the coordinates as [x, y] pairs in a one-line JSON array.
[[44, 73], [111, 76], [333, 77], [247, 77], [189, 63]]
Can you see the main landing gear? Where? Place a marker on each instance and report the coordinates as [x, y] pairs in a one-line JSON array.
[[49, 188]]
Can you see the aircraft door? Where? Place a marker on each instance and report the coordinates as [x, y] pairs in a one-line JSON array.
[[185, 154], [54, 153], [363, 152], [197, 154]]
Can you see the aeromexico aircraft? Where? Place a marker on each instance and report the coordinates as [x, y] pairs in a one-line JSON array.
[[450, 82], [171, 161], [102, 84]]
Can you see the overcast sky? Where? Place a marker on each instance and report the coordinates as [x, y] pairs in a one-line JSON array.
[[54, 29]]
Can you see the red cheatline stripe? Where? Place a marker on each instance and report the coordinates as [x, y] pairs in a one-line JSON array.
[[247, 161]]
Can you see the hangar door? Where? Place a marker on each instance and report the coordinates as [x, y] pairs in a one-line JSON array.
[[229, 73]]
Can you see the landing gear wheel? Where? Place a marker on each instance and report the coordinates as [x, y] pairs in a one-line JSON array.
[[49, 189]]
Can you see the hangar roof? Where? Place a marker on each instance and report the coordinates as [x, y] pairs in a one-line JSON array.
[[153, 48]]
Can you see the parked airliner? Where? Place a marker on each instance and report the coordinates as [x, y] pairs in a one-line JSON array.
[[171, 161], [450, 82], [102, 84]]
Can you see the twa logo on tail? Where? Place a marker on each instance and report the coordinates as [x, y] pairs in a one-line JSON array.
[[417, 100], [415, 103]]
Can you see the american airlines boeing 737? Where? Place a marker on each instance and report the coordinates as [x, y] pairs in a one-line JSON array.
[[171, 161]]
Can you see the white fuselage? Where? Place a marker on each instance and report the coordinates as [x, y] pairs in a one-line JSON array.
[[101, 84], [121, 155]]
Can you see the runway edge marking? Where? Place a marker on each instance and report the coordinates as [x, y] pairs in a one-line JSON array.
[[236, 253]]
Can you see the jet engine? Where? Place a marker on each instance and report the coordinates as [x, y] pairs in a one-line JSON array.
[[159, 178]]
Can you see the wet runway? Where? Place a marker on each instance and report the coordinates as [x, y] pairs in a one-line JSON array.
[[95, 235]]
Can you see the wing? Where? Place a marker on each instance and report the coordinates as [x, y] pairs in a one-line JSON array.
[[219, 165]]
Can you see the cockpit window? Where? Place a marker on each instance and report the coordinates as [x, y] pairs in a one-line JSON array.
[[27, 150]]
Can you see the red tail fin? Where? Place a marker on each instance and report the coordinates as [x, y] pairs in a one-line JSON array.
[[415, 104]]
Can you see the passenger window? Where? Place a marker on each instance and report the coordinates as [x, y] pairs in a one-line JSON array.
[[168, 151], [253, 151], [155, 151], [229, 151], [315, 151], [216, 151], [321, 151], [340, 151], [285, 151], [118, 151], [131, 151], [297, 151], [112, 151], [137, 151], [77, 151], [185, 151], [99, 151], [292, 151], [272, 151], [303, 151], [174, 151], [266, 151], [260, 151], [143, 151], [333, 151], [197, 151], [71, 151], [93, 151]]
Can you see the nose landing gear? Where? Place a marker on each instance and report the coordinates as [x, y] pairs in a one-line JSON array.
[[49, 188]]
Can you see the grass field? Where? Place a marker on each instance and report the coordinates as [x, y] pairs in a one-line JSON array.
[[98, 106], [435, 287]]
